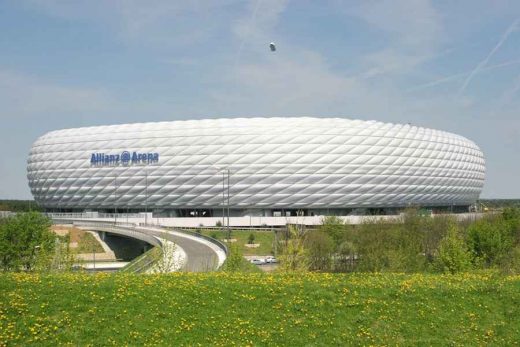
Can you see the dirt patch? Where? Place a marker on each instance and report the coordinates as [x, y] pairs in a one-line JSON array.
[[79, 239], [74, 233]]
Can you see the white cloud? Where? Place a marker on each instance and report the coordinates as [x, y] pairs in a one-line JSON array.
[[156, 22], [22, 95], [413, 23], [413, 29], [259, 21]]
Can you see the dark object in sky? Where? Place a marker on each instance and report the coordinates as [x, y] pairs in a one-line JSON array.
[[272, 46]]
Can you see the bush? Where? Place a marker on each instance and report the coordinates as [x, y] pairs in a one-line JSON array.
[[490, 240], [334, 227], [320, 248], [25, 241], [293, 256], [218, 224], [251, 239], [511, 263], [384, 246], [453, 255], [235, 262]]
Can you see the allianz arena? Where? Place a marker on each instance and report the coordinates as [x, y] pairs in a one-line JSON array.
[[276, 166]]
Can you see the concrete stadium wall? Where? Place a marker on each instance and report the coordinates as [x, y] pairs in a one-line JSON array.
[[247, 221]]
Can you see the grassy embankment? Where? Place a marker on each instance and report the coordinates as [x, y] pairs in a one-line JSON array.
[[265, 239], [83, 241], [259, 309]]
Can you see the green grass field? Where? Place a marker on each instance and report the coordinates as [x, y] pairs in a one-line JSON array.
[[259, 309], [264, 238]]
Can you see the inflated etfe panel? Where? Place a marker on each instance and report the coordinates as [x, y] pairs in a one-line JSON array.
[[273, 162]]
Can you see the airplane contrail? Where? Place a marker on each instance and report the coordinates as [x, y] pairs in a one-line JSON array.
[[483, 63], [460, 75]]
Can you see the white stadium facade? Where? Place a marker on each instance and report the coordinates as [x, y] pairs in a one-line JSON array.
[[276, 166]]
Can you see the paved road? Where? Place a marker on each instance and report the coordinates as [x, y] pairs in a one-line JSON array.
[[200, 256]]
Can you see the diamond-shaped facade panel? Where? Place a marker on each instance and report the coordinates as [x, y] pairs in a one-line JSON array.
[[274, 163]]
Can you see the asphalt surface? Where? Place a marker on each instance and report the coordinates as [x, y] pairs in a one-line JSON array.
[[199, 257]]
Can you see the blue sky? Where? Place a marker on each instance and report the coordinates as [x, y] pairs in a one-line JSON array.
[[450, 65]]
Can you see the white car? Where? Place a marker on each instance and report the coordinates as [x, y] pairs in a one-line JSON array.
[[271, 260], [258, 261]]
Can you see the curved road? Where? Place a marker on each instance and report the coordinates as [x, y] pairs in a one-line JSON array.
[[200, 256]]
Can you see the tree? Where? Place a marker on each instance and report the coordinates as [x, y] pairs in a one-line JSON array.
[[294, 255], [234, 260], [511, 216], [320, 248], [345, 258], [490, 240], [251, 239], [334, 227], [453, 255], [25, 239], [166, 257]]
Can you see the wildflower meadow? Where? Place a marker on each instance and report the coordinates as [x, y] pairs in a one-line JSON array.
[[255, 309]]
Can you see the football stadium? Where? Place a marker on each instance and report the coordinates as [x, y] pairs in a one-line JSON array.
[[280, 166]]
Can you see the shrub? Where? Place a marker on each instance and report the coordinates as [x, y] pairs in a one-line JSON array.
[[320, 248], [293, 256], [251, 239], [453, 255], [384, 246], [511, 263], [218, 224], [490, 240], [345, 258], [235, 262], [26, 240], [334, 227]]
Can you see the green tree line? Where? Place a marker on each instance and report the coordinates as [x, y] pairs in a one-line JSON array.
[[19, 205], [414, 244]]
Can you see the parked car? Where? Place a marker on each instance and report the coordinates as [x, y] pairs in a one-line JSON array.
[[258, 261], [271, 260]]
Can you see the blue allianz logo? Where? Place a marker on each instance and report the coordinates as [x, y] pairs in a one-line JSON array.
[[125, 158]]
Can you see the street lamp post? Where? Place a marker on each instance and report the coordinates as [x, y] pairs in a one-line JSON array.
[[223, 199], [145, 197], [115, 199], [228, 227], [224, 170]]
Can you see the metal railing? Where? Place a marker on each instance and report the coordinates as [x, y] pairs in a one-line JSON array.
[[125, 229], [92, 215], [142, 263], [212, 228]]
